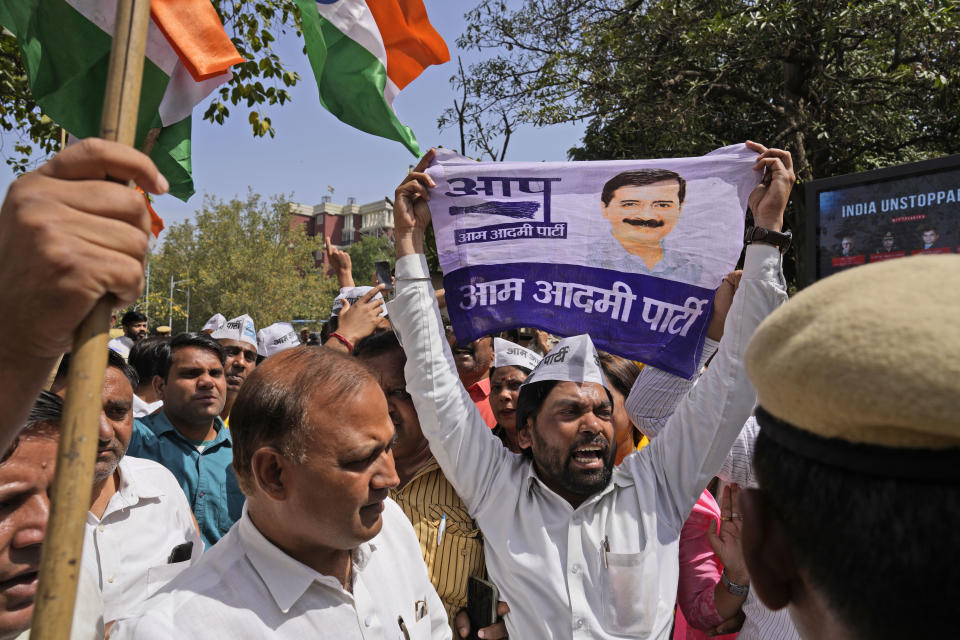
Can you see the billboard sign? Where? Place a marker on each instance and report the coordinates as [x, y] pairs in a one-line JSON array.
[[882, 215]]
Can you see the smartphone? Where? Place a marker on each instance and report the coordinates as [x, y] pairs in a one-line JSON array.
[[384, 276], [482, 597], [181, 552]]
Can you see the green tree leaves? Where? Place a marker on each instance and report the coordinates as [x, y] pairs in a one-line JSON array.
[[241, 256], [365, 253], [845, 86], [37, 133]]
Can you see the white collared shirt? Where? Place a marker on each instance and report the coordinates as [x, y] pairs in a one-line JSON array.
[[608, 253], [547, 558], [246, 587], [129, 547], [141, 408]]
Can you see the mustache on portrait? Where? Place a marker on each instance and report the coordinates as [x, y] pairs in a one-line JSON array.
[[653, 223]]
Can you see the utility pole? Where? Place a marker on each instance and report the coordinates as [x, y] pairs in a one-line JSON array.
[[146, 296], [172, 284]]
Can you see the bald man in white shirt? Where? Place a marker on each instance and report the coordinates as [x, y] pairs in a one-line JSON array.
[[320, 550]]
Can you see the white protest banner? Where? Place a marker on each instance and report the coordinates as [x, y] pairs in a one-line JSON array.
[[629, 251]]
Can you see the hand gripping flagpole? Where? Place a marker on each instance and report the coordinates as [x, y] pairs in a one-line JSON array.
[[73, 482]]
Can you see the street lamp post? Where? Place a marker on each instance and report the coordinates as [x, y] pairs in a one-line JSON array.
[[172, 285], [146, 297]]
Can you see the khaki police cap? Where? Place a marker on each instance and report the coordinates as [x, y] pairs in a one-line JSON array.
[[869, 356]]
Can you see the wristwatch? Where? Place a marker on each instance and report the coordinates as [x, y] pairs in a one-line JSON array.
[[767, 236], [739, 590]]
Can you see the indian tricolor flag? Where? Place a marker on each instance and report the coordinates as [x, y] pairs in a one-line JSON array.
[[363, 53], [65, 46]]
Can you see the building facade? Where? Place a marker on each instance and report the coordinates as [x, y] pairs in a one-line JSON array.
[[344, 224]]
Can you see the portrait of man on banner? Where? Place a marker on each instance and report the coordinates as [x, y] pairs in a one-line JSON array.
[[642, 207]]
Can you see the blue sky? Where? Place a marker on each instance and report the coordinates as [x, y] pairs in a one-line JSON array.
[[312, 149]]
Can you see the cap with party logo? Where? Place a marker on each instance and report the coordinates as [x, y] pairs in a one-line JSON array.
[[215, 322], [351, 295], [240, 329], [510, 354], [278, 337], [573, 359]]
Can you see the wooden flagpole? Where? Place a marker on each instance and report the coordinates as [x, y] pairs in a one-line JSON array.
[[73, 482]]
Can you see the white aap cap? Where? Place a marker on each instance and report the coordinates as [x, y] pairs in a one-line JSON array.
[[240, 329], [351, 295], [510, 354], [278, 337], [573, 359], [215, 322]]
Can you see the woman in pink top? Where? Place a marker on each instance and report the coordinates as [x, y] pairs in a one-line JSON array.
[[704, 603]]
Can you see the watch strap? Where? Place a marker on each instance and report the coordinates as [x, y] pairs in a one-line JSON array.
[[768, 236], [739, 590]]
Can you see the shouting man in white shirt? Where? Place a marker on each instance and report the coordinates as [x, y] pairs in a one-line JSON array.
[[140, 531], [577, 551], [320, 550]]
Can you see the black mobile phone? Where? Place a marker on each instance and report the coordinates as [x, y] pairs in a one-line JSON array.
[[181, 552], [482, 598], [384, 276]]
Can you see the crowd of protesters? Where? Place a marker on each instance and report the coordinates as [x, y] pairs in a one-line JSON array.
[[255, 484]]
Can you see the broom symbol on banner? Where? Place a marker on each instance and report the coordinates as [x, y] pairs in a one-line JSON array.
[[515, 210]]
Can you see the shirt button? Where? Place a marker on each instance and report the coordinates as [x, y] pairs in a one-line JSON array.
[[576, 568], [368, 621], [100, 528], [110, 579], [200, 494], [579, 623]]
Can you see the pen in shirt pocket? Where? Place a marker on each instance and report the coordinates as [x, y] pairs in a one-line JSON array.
[[403, 628], [605, 550], [441, 529]]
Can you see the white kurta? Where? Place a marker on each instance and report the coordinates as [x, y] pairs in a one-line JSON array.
[[546, 557]]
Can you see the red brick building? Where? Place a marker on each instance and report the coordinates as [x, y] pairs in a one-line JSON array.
[[344, 224]]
